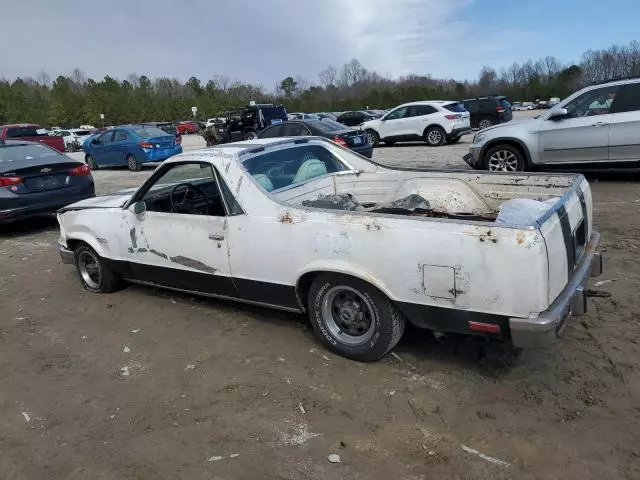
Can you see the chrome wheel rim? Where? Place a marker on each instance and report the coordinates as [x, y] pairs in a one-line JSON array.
[[251, 136], [371, 138], [348, 315], [89, 268], [484, 124], [503, 161], [132, 162], [434, 137]]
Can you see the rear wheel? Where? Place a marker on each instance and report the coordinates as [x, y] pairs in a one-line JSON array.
[[374, 138], [484, 123], [504, 158], [250, 136], [133, 163], [434, 136], [94, 274], [353, 318], [91, 162], [453, 140]]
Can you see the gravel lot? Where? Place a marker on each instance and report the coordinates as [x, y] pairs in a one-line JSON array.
[[218, 390]]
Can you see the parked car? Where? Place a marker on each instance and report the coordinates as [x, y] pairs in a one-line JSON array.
[[30, 132], [328, 115], [353, 119], [302, 116], [215, 121], [246, 122], [36, 179], [488, 111], [434, 122], [350, 242], [356, 140], [595, 128], [130, 145], [187, 128], [87, 127]]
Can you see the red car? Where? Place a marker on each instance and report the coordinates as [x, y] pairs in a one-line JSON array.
[[30, 132], [185, 128]]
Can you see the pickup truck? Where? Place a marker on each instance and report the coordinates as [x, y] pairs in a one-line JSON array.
[[31, 133], [305, 225]]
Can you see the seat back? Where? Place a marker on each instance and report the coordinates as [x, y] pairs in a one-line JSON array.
[[309, 169], [264, 181]]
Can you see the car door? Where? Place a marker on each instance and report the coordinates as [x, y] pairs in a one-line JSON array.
[[273, 131], [292, 129], [394, 123], [583, 134], [235, 128], [181, 238], [118, 148], [100, 149], [624, 130], [417, 119]]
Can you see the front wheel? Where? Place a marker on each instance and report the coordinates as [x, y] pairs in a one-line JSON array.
[[133, 163], [484, 123], [504, 158], [374, 138], [353, 318], [250, 136], [94, 274], [434, 136], [91, 162]]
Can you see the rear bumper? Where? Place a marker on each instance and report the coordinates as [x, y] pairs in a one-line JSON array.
[[473, 157], [159, 156], [40, 208], [542, 331], [457, 132], [364, 150]]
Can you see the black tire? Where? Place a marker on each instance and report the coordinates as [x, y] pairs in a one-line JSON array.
[[484, 123], [380, 325], [435, 136], [374, 137], [133, 163], [504, 158], [250, 135], [452, 141], [95, 275], [389, 143], [91, 162]]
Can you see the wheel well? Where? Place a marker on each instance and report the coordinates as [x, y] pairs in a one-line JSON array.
[[424, 132], [73, 244], [513, 143]]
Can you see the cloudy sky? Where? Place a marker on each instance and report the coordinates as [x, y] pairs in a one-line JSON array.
[[265, 41]]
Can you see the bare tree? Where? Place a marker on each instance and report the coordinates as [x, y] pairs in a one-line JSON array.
[[43, 79], [222, 82], [328, 76]]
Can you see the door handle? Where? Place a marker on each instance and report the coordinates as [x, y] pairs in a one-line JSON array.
[[217, 238]]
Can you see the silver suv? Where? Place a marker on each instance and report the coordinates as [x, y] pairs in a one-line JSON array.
[[597, 127]]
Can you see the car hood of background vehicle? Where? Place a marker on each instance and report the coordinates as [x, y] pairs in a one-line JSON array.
[[115, 200]]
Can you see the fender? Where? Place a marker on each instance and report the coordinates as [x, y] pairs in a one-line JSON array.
[[84, 235]]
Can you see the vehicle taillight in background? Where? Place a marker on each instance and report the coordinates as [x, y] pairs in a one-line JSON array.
[[340, 141], [10, 181], [145, 144], [80, 171], [499, 109], [178, 139], [453, 117]]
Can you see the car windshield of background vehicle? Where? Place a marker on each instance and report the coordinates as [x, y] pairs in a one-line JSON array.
[[26, 153], [149, 132], [455, 107]]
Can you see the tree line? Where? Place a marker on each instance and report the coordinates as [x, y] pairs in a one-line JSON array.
[[70, 100]]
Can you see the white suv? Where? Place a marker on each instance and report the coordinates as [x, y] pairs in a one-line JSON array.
[[435, 122]]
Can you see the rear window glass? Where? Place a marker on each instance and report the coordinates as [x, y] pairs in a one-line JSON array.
[[12, 155], [17, 132], [273, 113], [455, 107], [148, 132], [327, 126], [504, 103]]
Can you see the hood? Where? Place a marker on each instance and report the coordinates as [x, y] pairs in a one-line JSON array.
[[116, 200], [512, 123]]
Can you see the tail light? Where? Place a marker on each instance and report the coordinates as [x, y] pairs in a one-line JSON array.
[[453, 117], [10, 181], [499, 109], [340, 141], [178, 139], [80, 171], [145, 144]]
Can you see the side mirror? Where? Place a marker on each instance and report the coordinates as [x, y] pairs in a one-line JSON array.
[[558, 114], [139, 207]]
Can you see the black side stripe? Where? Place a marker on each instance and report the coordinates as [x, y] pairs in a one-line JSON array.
[[568, 239], [583, 206]]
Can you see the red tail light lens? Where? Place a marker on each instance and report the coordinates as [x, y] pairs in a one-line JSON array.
[[178, 139], [145, 144], [10, 181], [453, 117], [340, 141], [80, 171], [499, 109]]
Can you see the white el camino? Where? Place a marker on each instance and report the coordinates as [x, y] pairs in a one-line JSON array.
[[305, 225]]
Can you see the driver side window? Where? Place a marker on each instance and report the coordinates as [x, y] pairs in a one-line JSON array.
[[396, 114], [187, 189], [592, 103]]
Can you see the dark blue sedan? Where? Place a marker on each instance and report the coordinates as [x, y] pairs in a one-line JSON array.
[[36, 179], [354, 139], [131, 146]]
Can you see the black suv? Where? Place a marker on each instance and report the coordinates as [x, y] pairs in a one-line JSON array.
[[487, 111], [245, 123]]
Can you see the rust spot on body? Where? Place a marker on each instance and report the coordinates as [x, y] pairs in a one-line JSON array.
[[286, 218], [520, 238], [192, 263]]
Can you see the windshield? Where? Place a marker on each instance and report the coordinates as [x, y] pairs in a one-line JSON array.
[[149, 132]]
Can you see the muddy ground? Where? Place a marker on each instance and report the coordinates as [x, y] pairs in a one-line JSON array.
[[217, 390]]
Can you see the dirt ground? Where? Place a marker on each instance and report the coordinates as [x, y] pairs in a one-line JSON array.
[[145, 384]]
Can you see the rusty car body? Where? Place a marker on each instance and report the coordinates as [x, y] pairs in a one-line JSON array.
[[304, 225]]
